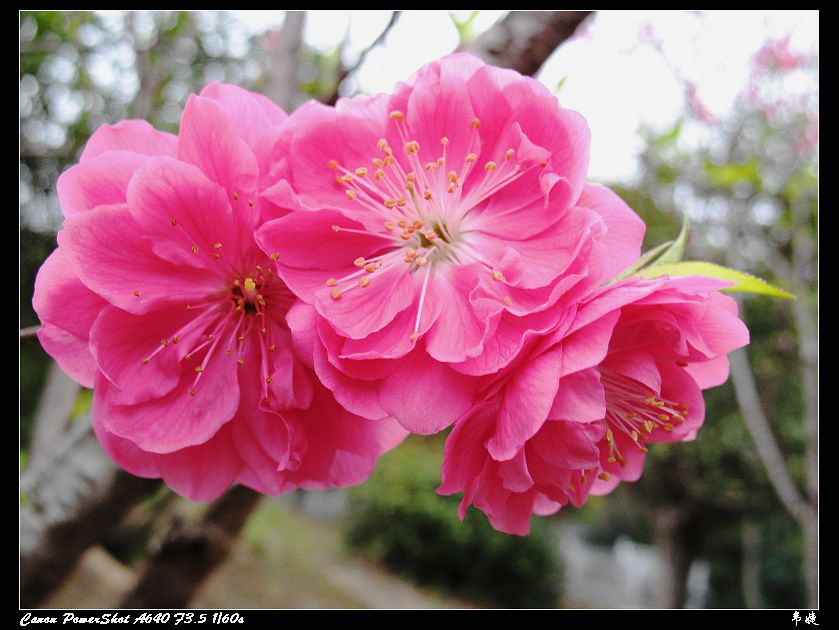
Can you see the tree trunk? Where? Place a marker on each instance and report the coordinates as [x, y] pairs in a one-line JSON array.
[[676, 556], [74, 497], [523, 40], [190, 554], [285, 59]]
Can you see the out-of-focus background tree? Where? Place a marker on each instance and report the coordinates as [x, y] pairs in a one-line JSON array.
[[729, 520]]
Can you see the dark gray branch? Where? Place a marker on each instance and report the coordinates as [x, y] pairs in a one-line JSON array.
[[523, 40]]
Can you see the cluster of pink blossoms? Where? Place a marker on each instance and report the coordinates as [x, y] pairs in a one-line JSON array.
[[277, 300]]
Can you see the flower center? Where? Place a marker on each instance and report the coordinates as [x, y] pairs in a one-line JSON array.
[[633, 409], [422, 209], [247, 314]]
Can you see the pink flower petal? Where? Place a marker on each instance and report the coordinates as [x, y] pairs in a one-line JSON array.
[[136, 136]]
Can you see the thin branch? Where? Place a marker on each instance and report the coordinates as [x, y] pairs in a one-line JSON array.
[[30, 331], [343, 73], [761, 432]]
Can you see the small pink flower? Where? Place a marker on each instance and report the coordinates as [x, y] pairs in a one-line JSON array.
[[437, 232], [159, 297], [625, 372]]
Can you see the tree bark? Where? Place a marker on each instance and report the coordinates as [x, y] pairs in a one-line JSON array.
[[523, 40], [676, 557], [285, 59], [57, 399], [74, 497], [190, 554]]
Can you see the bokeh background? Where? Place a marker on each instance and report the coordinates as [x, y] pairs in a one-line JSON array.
[[711, 114]]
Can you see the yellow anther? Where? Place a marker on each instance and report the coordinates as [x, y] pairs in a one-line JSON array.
[[216, 256], [390, 203], [410, 177], [417, 224], [426, 195], [274, 256], [146, 360], [421, 261], [175, 339], [471, 158], [194, 249], [507, 300], [199, 369], [336, 294], [174, 222], [228, 352], [250, 285], [611, 460], [240, 361], [663, 417], [451, 176], [476, 123], [378, 162], [411, 147], [235, 196], [570, 487], [401, 202], [497, 275], [635, 436], [187, 308], [410, 187], [186, 357], [136, 293], [490, 166], [346, 179], [430, 235], [237, 282], [361, 171], [430, 166], [389, 159], [351, 195], [397, 115], [363, 281], [335, 228], [508, 154], [402, 223], [609, 435], [263, 330], [679, 418], [668, 427], [164, 342], [272, 348], [359, 262], [444, 140], [333, 164], [210, 337], [440, 161], [250, 202], [413, 336], [604, 476], [406, 235], [241, 337], [370, 267], [389, 226], [191, 391], [631, 415], [643, 449], [648, 426]]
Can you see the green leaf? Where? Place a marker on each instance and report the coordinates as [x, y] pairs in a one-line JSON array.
[[745, 283], [727, 175], [645, 258], [675, 252]]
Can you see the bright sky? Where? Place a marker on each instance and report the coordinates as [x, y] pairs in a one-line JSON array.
[[615, 83]]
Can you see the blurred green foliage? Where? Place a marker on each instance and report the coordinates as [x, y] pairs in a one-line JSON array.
[[399, 520]]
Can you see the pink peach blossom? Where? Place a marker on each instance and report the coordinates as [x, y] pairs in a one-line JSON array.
[[625, 372], [436, 232], [159, 297]]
